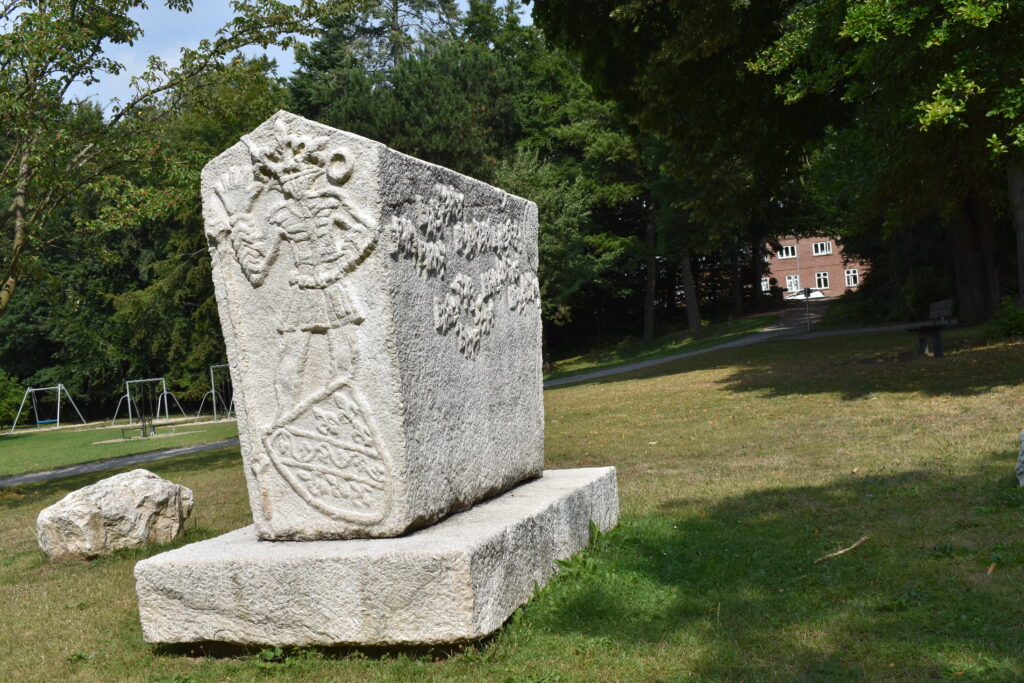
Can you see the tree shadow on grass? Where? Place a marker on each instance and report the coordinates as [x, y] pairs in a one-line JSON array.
[[965, 372], [7, 437], [15, 496], [736, 584], [853, 367]]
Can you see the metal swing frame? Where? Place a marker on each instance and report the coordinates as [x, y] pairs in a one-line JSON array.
[[32, 391], [161, 399], [215, 395]]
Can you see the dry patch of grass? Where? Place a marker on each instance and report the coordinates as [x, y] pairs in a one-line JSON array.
[[737, 470]]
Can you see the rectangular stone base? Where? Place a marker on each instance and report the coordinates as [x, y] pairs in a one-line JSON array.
[[457, 580]]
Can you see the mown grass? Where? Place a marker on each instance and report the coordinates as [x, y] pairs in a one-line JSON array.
[[34, 451], [737, 470], [631, 350]]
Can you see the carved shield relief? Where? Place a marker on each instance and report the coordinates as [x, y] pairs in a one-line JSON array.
[[331, 455]]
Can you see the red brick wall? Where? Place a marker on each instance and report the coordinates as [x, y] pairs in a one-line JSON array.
[[806, 264]]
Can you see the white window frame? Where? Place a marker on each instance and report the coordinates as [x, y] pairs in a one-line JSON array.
[[787, 251], [822, 248], [852, 277], [821, 280], [793, 283], [765, 285]]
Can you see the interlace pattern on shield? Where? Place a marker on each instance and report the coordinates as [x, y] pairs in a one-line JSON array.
[[322, 441]]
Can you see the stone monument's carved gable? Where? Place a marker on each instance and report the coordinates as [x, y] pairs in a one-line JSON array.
[[368, 298]]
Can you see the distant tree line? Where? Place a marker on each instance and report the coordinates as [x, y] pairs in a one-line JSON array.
[[901, 122], [665, 143]]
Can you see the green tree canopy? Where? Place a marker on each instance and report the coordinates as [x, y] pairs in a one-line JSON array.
[[921, 94], [55, 154]]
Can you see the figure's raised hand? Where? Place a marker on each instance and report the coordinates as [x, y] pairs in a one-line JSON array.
[[252, 250], [237, 191]]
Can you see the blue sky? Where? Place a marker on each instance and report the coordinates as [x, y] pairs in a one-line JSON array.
[[165, 32]]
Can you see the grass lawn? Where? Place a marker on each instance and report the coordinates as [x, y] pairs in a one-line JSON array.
[[632, 350], [33, 451], [737, 470]]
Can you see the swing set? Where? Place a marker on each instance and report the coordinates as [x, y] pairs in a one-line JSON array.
[[144, 391], [43, 416], [219, 392]]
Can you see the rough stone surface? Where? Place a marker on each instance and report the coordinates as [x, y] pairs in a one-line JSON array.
[[382, 322], [457, 580], [1020, 461], [124, 511]]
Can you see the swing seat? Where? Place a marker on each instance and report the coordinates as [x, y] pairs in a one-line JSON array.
[[45, 422]]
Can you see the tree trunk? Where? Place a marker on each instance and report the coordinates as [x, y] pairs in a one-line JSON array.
[[1015, 180], [970, 236], [756, 267], [652, 277], [10, 279], [690, 292], [736, 283], [396, 31]]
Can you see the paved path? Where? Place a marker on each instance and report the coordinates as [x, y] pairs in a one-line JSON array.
[[792, 322], [112, 463]]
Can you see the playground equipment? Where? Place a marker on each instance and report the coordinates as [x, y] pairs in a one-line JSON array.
[[215, 395], [145, 390], [36, 409]]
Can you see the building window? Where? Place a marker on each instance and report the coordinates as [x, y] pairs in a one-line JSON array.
[[788, 251], [852, 277], [821, 280], [764, 284], [793, 283], [822, 248]]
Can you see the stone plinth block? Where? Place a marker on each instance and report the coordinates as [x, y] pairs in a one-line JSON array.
[[454, 581], [382, 323]]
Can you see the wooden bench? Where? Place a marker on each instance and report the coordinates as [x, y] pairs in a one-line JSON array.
[[929, 334]]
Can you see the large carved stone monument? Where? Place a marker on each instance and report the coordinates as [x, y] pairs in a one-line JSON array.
[[382, 323]]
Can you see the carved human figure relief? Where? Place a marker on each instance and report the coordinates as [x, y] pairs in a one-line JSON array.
[[322, 440]]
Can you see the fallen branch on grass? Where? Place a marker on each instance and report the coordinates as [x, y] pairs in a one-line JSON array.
[[840, 552]]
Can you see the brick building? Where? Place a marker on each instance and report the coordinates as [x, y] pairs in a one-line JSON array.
[[815, 262]]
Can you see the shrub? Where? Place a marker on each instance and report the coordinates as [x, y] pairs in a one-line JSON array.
[[1009, 319], [10, 396]]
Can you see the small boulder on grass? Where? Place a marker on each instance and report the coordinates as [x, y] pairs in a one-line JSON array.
[[124, 511]]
